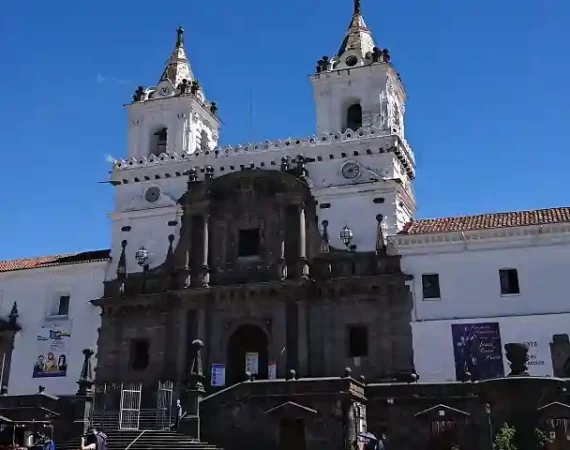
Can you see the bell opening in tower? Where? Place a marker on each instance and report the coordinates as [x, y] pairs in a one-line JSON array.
[[158, 142], [354, 117]]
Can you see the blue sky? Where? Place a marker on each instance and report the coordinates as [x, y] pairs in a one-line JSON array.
[[487, 115]]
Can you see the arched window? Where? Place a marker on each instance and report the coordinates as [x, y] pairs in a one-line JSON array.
[[354, 117], [158, 142]]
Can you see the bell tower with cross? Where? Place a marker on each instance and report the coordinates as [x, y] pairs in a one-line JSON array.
[[360, 101], [358, 86], [174, 116]]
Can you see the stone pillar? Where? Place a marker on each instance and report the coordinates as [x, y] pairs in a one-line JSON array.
[[83, 401], [303, 369], [303, 268], [190, 422], [349, 425], [205, 248], [282, 233]]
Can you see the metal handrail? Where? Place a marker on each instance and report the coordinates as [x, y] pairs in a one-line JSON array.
[[135, 439]]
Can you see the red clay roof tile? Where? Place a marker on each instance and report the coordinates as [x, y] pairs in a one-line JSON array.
[[487, 221], [54, 260]]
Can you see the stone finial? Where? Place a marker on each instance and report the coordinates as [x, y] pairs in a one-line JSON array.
[[323, 64], [213, 108], [14, 314], [192, 176], [196, 371], [184, 87], [380, 238], [292, 376], [85, 381], [379, 55], [362, 379], [248, 376], [347, 372], [325, 248], [209, 173], [517, 354], [194, 87], [122, 265], [138, 96]]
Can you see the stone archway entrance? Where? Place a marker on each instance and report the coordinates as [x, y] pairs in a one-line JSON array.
[[247, 340]]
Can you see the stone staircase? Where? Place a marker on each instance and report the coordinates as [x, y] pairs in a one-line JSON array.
[[145, 440]]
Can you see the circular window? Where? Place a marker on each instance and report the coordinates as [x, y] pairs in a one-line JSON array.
[[351, 61], [152, 194]]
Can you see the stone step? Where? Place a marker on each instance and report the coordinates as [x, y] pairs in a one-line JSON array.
[[150, 440]]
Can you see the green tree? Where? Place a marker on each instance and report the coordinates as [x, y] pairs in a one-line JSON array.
[[505, 438]]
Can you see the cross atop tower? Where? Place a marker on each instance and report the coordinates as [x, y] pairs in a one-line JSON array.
[[357, 8], [180, 37]]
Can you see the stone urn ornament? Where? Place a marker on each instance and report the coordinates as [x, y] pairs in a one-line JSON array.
[[517, 354]]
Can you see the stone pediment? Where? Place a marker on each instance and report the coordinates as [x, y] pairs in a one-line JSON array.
[[442, 412], [555, 410], [291, 410]]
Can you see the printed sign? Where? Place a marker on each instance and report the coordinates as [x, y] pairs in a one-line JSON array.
[[272, 370], [252, 363], [218, 375], [477, 349], [51, 360]]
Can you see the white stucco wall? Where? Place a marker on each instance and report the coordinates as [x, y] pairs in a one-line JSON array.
[[469, 275], [351, 200], [36, 292], [434, 346]]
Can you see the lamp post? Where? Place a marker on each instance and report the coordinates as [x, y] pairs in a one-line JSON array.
[[141, 255], [489, 423], [346, 236]]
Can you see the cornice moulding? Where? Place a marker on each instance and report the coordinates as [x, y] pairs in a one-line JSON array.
[[511, 237]]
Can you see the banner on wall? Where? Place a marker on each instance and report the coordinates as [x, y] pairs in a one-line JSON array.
[[477, 349], [252, 363], [218, 375], [51, 360], [272, 370]]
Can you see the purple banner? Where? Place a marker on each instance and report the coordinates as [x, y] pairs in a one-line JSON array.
[[477, 349]]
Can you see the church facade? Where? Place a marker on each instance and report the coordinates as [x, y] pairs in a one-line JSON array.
[[274, 253], [289, 279]]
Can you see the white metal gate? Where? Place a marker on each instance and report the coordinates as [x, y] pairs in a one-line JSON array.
[[129, 415], [164, 404]]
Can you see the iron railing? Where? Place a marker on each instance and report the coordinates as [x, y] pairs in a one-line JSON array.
[[143, 419]]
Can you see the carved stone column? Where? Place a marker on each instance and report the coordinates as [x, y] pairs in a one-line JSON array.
[[303, 267], [83, 401], [205, 247], [190, 424]]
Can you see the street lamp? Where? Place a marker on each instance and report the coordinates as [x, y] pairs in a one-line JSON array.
[[346, 236], [489, 423], [141, 255]]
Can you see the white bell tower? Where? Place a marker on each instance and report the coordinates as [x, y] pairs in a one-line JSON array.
[[360, 105], [358, 87], [173, 116], [166, 123]]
